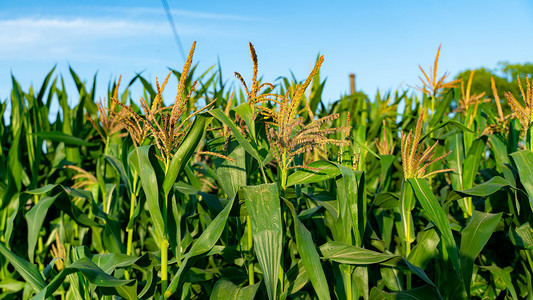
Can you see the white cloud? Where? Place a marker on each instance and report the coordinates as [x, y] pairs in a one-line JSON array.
[[29, 29], [176, 13], [55, 38]]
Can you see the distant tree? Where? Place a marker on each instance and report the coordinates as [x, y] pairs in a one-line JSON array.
[[514, 70], [504, 77]]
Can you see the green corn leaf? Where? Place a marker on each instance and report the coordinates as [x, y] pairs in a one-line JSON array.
[[364, 146], [296, 279], [443, 107], [263, 205], [226, 290], [127, 291], [185, 150], [117, 164], [309, 256], [505, 276], [352, 205], [348, 254], [12, 210], [456, 160], [27, 270], [44, 86], [65, 204], [451, 123], [421, 293], [420, 273], [58, 136], [146, 85], [327, 171], [386, 163], [392, 277], [523, 161], [472, 161], [203, 244], [482, 190], [245, 112], [425, 249], [90, 271], [35, 218], [473, 238], [41, 190], [499, 149], [251, 149], [139, 159], [11, 285], [407, 204], [522, 236], [386, 201], [436, 214], [231, 175]]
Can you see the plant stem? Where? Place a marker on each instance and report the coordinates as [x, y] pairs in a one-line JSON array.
[[408, 275], [283, 170], [405, 212], [164, 243], [432, 105], [264, 176], [251, 278], [164, 265], [348, 278], [132, 210], [130, 230]]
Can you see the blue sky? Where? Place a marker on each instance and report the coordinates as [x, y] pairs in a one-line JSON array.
[[383, 42]]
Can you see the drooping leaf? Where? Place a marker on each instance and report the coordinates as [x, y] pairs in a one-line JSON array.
[[232, 174], [306, 176], [482, 190], [473, 238], [522, 160], [250, 148], [425, 249], [35, 218], [263, 204], [309, 256], [505, 276], [522, 236], [226, 290], [90, 271], [348, 254], [58, 136], [244, 110], [436, 214], [27, 270], [139, 159], [185, 151], [203, 244], [421, 293]]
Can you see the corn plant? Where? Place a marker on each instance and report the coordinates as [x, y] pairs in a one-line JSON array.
[[266, 190]]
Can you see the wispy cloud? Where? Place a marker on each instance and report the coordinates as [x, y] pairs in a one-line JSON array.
[[145, 11], [61, 37], [57, 37], [34, 27]]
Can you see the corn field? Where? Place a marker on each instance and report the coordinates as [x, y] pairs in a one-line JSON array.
[[264, 191]]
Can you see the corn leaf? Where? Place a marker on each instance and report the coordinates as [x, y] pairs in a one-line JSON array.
[[326, 171], [263, 205], [27, 270], [309, 255], [226, 290], [139, 159], [473, 238], [436, 214]]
